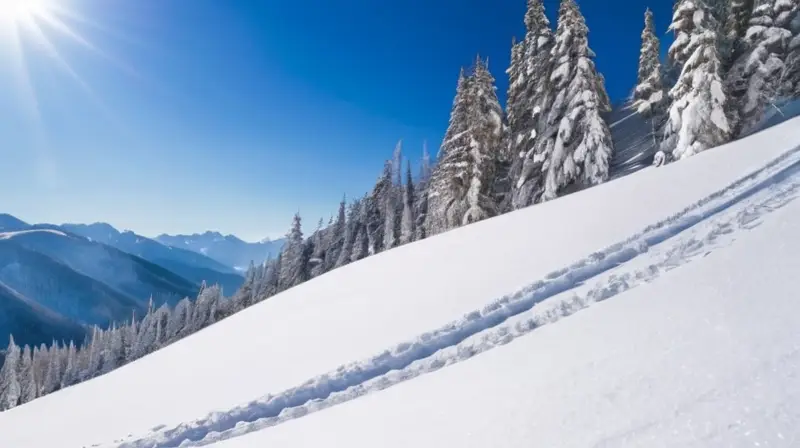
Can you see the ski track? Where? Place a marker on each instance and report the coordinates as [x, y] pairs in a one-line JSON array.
[[761, 192]]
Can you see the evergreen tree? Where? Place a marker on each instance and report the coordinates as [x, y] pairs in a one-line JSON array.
[[788, 17], [10, 390], [447, 183], [351, 232], [734, 28], [487, 135], [337, 237], [319, 245], [698, 117], [425, 167], [649, 95], [52, 379], [582, 147], [294, 259], [754, 80], [375, 208], [389, 203], [27, 377], [70, 370], [408, 230], [528, 125]]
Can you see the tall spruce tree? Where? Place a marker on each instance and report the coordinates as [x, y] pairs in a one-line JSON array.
[[754, 80], [408, 228], [528, 126], [446, 184], [649, 95], [698, 117], [10, 390], [734, 29], [294, 260], [789, 18], [582, 147], [487, 137]]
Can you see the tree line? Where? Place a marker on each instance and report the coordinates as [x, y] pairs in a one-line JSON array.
[[730, 61]]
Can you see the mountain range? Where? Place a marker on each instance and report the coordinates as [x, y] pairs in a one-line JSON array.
[[226, 249], [55, 280]]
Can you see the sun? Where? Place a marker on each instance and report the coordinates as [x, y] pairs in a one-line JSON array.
[[15, 12]]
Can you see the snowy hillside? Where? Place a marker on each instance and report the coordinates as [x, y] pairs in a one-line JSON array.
[[694, 345], [186, 263], [226, 249]]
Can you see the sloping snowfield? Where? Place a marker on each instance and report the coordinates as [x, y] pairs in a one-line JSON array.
[[704, 355]]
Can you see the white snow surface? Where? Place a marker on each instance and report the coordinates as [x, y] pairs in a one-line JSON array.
[[696, 342]]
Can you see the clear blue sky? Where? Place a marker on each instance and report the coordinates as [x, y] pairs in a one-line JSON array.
[[182, 116]]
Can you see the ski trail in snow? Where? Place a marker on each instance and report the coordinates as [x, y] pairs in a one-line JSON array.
[[670, 243]]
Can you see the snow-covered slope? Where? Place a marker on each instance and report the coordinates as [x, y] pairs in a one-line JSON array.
[[424, 306]]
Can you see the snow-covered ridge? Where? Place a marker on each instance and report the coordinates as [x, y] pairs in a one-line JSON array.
[[9, 235], [737, 206]]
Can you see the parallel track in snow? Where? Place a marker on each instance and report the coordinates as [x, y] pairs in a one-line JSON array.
[[708, 224]]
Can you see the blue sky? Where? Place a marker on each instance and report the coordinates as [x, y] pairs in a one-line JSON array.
[[181, 116]]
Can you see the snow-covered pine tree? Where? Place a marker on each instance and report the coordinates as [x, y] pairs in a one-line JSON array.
[[515, 98], [390, 215], [447, 183], [408, 229], [351, 228], [10, 390], [582, 147], [272, 277], [754, 80], [698, 117], [734, 28], [649, 95], [27, 376], [529, 125], [294, 262], [177, 320], [52, 379], [337, 237], [421, 194], [319, 241], [487, 137], [70, 370], [789, 18], [374, 209]]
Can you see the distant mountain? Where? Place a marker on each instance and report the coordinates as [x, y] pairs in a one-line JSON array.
[[227, 249], [131, 275], [191, 265], [30, 323], [10, 223]]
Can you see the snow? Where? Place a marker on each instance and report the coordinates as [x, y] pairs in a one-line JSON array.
[[679, 347], [9, 235]]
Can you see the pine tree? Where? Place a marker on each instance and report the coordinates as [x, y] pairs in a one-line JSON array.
[[337, 237], [528, 125], [351, 230], [734, 28], [10, 390], [754, 80], [408, 230], [425, 167], [27, 376], [582, 147], [446, 183], [52, 379], [487, 135], [390, 216], [319, 247], [70, 371], [698, 118], [649, 95], [788, 17], [294, 260], [375, 208]]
